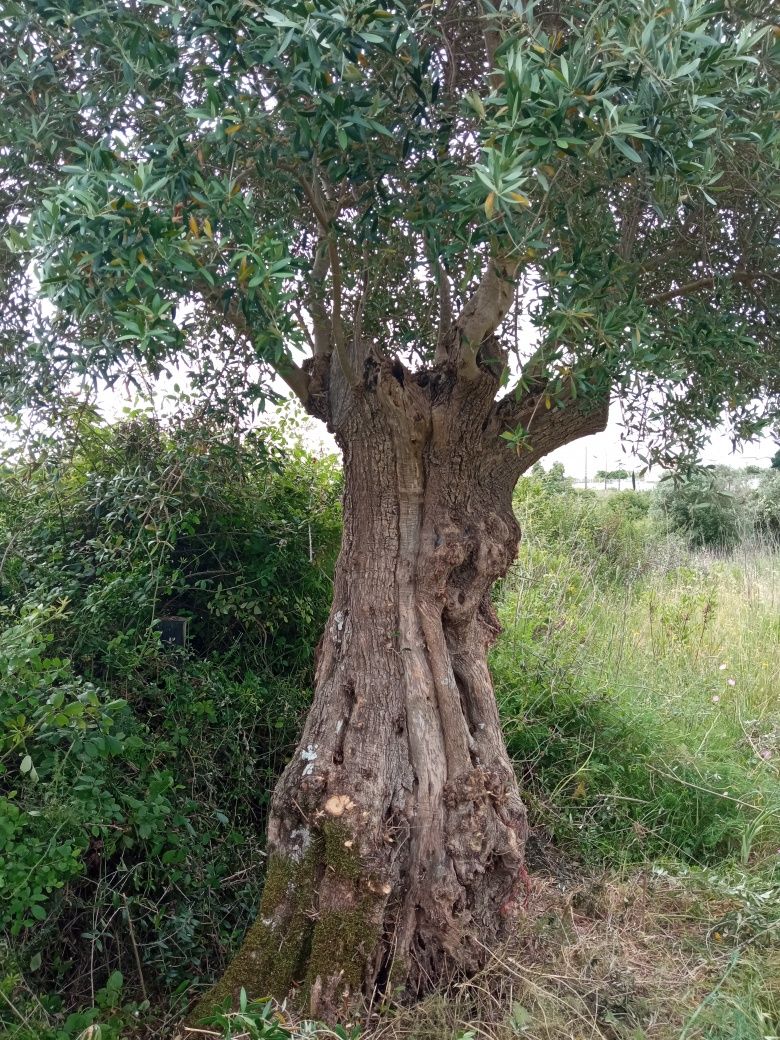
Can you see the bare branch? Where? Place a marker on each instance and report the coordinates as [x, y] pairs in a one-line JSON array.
[[745, 277], [445, 310], [314, 197], [336, 323], [492, 40], [321, 321], [485, 311], [357, 323], [318, 204]]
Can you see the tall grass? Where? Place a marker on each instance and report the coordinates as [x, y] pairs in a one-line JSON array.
[[638, 682]]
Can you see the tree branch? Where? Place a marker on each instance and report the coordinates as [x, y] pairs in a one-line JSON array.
[[321, 322], [315, 201], [357, 322], [492, 38], [445, 310], [296, 378], [484, 312], [336, 322], [549, 429], [314, 194], [746, 277]]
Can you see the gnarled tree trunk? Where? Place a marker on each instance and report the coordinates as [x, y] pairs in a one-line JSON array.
[[397, 831]]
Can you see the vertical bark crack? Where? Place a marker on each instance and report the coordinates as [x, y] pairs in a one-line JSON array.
[[342, 724]]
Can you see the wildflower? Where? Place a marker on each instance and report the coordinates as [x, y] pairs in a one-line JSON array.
[[731, 682], [716, 699], [722, 667], [766, 754]]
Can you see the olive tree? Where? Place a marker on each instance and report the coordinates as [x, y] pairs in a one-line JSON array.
[[456, 230]]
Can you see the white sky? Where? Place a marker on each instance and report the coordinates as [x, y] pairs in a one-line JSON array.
[[602, 451], [605, 451]]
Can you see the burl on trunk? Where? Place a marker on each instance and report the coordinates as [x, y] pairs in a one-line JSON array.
[[397, 831]]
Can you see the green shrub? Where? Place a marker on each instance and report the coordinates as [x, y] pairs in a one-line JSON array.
[[609, 535], [704, 509], [765, 506], [134, 777], [189, 523]]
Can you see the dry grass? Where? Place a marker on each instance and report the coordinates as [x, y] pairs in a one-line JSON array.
[[631, 957]]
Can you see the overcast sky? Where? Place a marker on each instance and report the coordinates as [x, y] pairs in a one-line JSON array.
[[603, 450]]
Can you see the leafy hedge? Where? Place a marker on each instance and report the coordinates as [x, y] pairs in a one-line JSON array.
[[134, 776], [721, 508]]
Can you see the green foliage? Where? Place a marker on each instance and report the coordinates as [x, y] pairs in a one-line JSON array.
[[262, 1020], [611, 536], [701, 510], [244, 169], [197, 526], [765, 506], [722, 507], [109, 1019], [591, 776], [713, 509], [134, 777], [48, 714]]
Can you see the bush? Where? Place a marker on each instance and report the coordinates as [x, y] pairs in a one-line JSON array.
[[708, 509], [609, 535], [134, 776], [765, 506], [194, 524]]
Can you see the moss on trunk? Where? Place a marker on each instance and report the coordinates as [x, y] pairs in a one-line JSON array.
[[295, 943], [274, 952]]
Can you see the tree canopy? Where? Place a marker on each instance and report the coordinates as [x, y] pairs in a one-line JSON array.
[[583, 198]]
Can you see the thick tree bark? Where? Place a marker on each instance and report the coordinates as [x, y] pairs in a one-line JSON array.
[[397, 831]]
